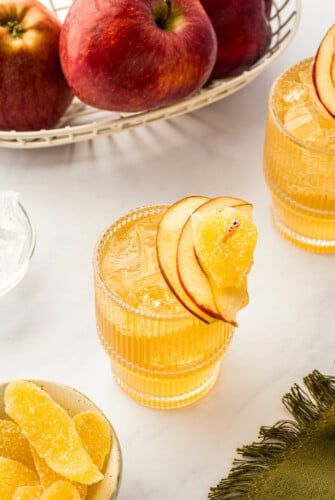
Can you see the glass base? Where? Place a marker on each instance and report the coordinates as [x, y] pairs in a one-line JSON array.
[[165, 391], [309, 243]]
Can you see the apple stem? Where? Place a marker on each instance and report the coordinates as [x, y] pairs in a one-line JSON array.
[[163, 13], [15, 28], [168, 10], [231, 230]]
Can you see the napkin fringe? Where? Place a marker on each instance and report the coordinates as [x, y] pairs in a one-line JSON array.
[[305, 407]]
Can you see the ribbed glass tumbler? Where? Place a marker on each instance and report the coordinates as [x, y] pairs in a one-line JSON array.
[[162, 356], [299, 161]]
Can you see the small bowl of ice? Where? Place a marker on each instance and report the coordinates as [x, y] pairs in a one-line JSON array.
[[17, 240]]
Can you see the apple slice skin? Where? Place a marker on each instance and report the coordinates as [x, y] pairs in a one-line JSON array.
[[168, 232], [323, 71], [191, 275]]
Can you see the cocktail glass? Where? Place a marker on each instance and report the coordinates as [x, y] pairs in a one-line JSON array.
[[299, 161], [162, 355]]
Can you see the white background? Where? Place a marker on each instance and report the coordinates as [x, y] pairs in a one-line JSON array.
[[47, 325]]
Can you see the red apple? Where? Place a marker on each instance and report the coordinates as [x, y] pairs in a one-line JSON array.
[[34, 93], [268, 7], [133, 55], [243, 31]]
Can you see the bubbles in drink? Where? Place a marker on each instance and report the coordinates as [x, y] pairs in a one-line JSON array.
[[151, 294], [300, 109], [130, 268]]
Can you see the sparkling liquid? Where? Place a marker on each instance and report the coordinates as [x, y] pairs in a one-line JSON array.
[[299, 161], [161, 354]]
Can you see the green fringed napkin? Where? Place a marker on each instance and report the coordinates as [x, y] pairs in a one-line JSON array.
[[294, 459]]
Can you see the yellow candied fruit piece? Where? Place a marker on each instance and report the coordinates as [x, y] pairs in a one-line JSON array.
[[13, 474], [13, 444], [95, 434], [50, 431], [28, 493], [62, 490], [224, 242], [48, 476]]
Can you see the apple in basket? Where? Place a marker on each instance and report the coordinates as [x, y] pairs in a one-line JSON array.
[[268, 7], [134, 55], [33, 91], [243, 31]]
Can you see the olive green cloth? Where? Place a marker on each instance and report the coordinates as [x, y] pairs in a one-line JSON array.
[[294, 459]]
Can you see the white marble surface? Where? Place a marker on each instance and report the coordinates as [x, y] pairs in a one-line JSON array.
[[47, 326]]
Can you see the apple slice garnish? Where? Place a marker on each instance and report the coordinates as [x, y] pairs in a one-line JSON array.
[[224, 243], [168, 232], [324, 71], [194, 280]]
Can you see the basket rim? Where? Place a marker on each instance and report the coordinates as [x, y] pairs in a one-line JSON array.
[[216, 90]]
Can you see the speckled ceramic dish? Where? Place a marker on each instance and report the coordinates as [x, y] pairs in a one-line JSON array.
[[75, 402]]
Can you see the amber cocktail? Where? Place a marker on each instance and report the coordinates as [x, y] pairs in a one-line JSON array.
[[162, 355], [299, 161]]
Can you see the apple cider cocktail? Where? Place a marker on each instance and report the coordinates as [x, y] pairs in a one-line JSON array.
[[165, 351], [299, 160]]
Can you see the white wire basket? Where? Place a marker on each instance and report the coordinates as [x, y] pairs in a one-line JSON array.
[[82, 122]]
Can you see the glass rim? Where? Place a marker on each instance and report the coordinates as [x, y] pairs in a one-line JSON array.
[[132, 215], [32, 232], [280, 124]]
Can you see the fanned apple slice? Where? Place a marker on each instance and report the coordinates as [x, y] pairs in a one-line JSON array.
[[324, 71], [168, 232], [192, 277], [224, 242]]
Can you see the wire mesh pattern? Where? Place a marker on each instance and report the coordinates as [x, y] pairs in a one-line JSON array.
[[82, 122]]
